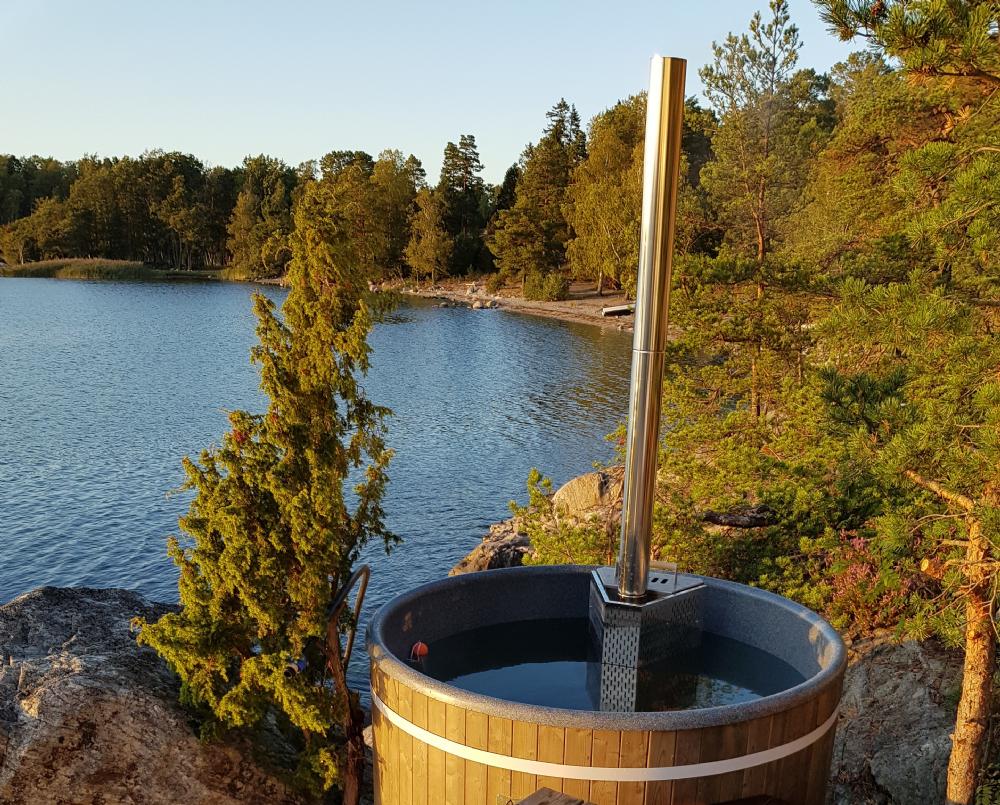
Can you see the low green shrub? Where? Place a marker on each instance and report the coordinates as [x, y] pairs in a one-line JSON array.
[[494, 283], [546, 287]]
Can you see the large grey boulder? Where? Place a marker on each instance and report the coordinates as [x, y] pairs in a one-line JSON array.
[[896, 718], [89, 718], [594, 498], [589, 495]]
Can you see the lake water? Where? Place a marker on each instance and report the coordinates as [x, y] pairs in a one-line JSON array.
[[104, 386]]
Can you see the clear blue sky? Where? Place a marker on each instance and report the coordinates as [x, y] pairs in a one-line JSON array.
[[297, 79]]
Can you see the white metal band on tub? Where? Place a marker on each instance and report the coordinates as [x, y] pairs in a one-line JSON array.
[[612, 774]]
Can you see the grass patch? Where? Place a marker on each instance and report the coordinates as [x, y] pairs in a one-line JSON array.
[[234, 274], [82, 269], [95, 268]]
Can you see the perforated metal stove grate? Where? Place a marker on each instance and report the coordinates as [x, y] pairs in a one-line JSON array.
[[629, 636]]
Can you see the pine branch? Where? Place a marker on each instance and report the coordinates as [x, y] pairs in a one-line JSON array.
[[974, 72], [964, 502]]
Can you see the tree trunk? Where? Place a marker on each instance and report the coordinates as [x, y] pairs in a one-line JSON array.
[[600, 282], [972, 719], [352, 722], [755, 405], [973, 716], [742, 517]]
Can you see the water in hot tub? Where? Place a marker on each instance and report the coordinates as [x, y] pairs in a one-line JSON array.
[[552, 662]]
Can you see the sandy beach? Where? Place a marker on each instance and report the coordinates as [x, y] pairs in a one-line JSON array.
[[583, 306]]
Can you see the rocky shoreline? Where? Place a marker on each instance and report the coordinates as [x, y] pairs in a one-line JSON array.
[[505, 545], [582, 307], [593, 497]]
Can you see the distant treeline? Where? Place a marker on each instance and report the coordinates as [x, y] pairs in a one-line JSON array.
[[558, 212], [169, 209]]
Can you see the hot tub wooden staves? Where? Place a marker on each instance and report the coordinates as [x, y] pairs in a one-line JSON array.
[[410, 771]]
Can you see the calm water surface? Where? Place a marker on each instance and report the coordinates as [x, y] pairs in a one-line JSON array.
[[104, 386], [554, 662]]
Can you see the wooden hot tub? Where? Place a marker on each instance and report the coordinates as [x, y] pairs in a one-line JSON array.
[[436, 744]]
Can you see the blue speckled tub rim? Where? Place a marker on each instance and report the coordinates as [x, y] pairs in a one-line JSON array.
[[669, 721]]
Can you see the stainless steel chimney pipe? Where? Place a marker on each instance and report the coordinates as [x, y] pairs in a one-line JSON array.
[[661, 166]]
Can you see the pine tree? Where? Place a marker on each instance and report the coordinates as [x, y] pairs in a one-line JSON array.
[[272, 533], [506, 193], [938, 432], [395, 181], [944, 38], [933, 427], [463, 193], [849, 208], [742, 453], [262, 219], [767, 131], [529, 239], [429, 250]]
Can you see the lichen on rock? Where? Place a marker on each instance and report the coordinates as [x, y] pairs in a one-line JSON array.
[[87, 716]]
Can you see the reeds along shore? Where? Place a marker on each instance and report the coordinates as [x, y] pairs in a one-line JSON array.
[[96, 268]]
